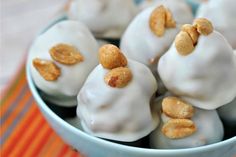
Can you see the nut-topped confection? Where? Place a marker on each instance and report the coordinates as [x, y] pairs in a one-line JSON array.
[[105, 18], [200, 67], [184, 126], [149, 36], [62, 58], [114, 102]]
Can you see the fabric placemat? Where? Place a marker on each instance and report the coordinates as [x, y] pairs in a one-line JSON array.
[[24, 131]]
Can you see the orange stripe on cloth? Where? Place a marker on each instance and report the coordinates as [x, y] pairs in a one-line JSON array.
[[28, 133], [55, 148], [19, 131], [6, 103], [39, 136], [15, 112], [28, 136], [53, 142]]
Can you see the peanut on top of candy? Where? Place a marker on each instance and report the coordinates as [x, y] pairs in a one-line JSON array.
[[66, 54], [62, 53], [177, 108], [180, 125], [47, 69], [178, 128], [112, 58], [160, 19], [186, 40]]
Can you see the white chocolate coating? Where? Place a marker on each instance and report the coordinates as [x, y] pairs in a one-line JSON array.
[[206, 77], [222, 15], [105, 18], [181, 10], [228, 112], [64, 90], [121, 114], [141, 44], [209, 130]]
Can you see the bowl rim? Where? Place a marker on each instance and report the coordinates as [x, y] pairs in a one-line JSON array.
[[42, 105]]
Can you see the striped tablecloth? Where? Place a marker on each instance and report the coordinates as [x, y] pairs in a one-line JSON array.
[[24, 131]]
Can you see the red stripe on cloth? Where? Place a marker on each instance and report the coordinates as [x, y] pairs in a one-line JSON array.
[[28, 137], [63, 151], [55, 148], [36, 140], [76, 154], [41, 143]]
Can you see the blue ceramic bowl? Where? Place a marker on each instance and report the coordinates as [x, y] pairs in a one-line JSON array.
[[95, 147]]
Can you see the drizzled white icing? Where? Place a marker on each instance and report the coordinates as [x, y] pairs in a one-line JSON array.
[[105, 18], [209, 130], [206, 77], [121, 114], [222, 14], [64, 90]]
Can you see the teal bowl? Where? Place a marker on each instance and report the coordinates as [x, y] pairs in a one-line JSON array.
[[92, 146]]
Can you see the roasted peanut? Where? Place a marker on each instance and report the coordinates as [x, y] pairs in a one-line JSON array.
[[203, 25], [111, 57], [47, 69], [176, 108], [66, 54], [178, 128], [118, 77]]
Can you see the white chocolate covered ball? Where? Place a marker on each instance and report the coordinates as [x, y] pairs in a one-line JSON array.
[[141, 44], [105, 18], [205, 77], [222, 14], [209, 130], [121, 114], [64, 89], [180, 9]]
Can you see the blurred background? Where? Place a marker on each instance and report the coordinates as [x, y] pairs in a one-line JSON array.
[[20, 22]]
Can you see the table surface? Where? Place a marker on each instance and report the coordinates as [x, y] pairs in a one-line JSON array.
[[20, 21]]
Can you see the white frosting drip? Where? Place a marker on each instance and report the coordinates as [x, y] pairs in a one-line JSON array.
[[209, 130], [121, 114], [181, 10], [206, 77], [105, 18], [222, 14], [72, 77]]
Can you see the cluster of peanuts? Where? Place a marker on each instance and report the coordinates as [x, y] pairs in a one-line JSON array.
[[160, 19], [186, 40], [180, 113], [112, 58], [61, 53]]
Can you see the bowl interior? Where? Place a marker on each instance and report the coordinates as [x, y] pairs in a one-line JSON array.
[[74, 127]]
